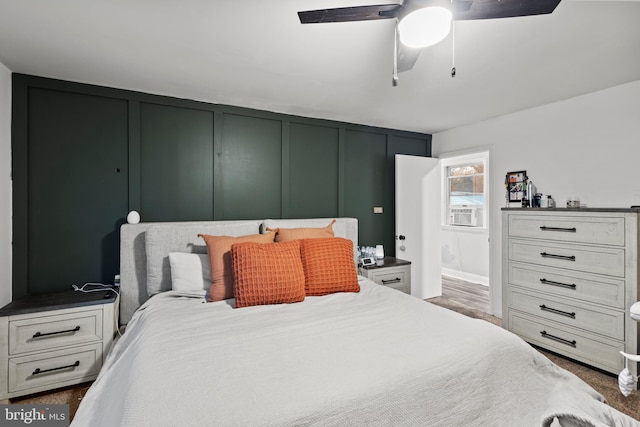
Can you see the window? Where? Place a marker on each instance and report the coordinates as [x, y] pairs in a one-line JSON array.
[[465, 190]]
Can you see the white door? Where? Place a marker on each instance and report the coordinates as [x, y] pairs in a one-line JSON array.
[[418, 188]]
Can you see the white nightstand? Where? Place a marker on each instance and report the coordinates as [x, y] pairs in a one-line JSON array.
[[54, 340], [394, 273]]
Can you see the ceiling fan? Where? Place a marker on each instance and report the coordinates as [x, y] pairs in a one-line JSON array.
[[422, 23]]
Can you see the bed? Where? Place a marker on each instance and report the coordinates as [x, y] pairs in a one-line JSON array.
[[376, 357]]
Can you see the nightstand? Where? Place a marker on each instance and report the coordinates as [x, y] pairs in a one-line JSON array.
[[54, 340], [394, 273]]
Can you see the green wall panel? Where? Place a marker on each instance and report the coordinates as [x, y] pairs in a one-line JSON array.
[[176, 172], [84, 155], [365, 178], [313, 171], [251, 167], [77, 188]]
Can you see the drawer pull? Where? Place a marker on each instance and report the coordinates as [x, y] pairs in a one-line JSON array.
[[563, 285], [556, 311], [572, 343], [568, 230], [42, 371], [567, 257], [396, 280], [40, 334]]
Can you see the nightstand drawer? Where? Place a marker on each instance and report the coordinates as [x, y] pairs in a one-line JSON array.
[[393, 273], [55, 368], [389, 278], [578, 229], [54, 331]]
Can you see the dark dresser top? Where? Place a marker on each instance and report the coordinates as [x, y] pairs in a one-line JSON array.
[[56, 301], [388, 262], [632, 209]]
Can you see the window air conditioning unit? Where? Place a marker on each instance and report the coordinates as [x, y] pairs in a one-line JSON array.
[[469, 216]]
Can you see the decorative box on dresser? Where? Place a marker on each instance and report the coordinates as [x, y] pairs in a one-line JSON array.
[[569, 277], [392, 272], [54, 340]]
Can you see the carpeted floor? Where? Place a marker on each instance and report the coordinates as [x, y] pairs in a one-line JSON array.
[[605, 383], [69, 395]]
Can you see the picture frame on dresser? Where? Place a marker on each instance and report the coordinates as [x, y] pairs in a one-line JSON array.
[[515, 184]]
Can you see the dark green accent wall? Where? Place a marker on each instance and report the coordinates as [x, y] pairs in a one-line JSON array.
[[84, 155], [176, 163], [313, 173]]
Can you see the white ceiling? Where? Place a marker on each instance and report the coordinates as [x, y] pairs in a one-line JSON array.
[[255, 53]]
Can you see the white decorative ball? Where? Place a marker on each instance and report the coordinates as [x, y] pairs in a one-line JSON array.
[[133, 217]]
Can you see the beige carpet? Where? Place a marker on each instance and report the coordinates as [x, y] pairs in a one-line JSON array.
[[69, 395], [605, 383]]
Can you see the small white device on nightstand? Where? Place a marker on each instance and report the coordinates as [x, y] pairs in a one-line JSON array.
[[634, 311]]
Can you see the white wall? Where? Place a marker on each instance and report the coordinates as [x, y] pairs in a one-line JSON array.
[[588, 146], [465, 253], [5, 185]]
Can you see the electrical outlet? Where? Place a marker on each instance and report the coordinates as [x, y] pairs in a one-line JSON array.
[[377, 209]]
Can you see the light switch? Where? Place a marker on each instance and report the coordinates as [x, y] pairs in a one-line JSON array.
[[377, 209]]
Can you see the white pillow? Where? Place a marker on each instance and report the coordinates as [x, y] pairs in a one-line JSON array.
[[189, 272]]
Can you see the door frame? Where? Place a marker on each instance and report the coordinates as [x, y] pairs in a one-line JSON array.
[[495, 289]]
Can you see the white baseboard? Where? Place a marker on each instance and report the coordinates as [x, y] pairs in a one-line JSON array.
[[469, 277]]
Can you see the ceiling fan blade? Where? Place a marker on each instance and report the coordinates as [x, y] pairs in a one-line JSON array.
[[407, 57], [489, 9], [346, 14]]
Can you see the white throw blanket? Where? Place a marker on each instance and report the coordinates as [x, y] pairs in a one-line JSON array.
[[376, 358]]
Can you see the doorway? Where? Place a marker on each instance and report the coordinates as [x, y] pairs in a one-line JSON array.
[[465, 226], [458, 224]]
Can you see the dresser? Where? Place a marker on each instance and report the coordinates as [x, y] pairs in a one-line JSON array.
[[392, 272], [54, 340], [569, 277]]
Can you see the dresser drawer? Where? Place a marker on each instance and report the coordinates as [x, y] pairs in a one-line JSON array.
[[592, 259], [55, 368], [578, 229], [54, 331], [391, 277], [598, 320], [595, 350], [564, 283]]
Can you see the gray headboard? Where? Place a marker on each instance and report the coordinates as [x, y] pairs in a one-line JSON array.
[[145, 247]]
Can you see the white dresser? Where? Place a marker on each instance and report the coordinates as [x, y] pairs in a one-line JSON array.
[[54, 340], [569, 277]]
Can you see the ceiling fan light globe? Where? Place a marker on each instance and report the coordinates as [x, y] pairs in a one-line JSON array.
[[425, 27]]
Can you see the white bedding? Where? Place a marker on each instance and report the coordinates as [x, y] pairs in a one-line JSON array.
[[379, 357]]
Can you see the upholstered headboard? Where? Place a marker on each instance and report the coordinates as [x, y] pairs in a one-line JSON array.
[[145, 247]]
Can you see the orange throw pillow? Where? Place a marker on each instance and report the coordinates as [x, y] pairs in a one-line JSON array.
[[267, 273], [289, 234], [328, 266], [219, 248]]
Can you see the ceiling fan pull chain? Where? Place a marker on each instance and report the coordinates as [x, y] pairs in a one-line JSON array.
[[453, 49], [394, 81]]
